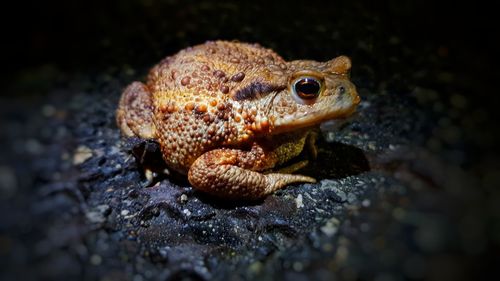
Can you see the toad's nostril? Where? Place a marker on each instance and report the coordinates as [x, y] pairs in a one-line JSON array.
[[341, 90]]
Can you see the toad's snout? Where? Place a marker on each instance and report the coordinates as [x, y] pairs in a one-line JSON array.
[[346, 91]]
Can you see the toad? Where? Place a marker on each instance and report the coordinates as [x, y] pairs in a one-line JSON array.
[[226, 113]]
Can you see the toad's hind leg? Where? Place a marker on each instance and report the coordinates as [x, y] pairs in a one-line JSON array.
[[233, 173], [134, 115]]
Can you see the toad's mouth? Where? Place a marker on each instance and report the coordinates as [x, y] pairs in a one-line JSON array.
[[294, 122]]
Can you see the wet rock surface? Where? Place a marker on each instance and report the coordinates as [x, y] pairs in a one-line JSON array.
[[403, 189]]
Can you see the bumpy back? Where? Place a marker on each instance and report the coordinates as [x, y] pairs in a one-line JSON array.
[[199, 97], [215, 70]]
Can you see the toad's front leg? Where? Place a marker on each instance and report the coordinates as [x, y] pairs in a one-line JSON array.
[[234, 173]]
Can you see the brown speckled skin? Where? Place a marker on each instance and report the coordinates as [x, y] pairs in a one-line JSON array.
[[224, 113]]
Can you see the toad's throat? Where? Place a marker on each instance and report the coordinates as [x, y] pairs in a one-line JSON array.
[[296, 121]]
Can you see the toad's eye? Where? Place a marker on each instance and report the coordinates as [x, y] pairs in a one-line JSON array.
[[307, 88]]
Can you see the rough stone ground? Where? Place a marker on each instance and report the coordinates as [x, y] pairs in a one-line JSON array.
[[405, 189]]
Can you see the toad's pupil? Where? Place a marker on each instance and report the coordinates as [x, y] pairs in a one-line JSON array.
[[307, 88]]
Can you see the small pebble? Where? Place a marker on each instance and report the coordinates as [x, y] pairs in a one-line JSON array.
[[299, 202], [186, 212], [82, 154], [95, 259]]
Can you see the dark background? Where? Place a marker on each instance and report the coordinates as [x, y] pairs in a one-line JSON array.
[[82, 35], [397, 48]]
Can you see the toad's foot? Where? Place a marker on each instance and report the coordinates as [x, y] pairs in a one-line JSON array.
[[233, 173]]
